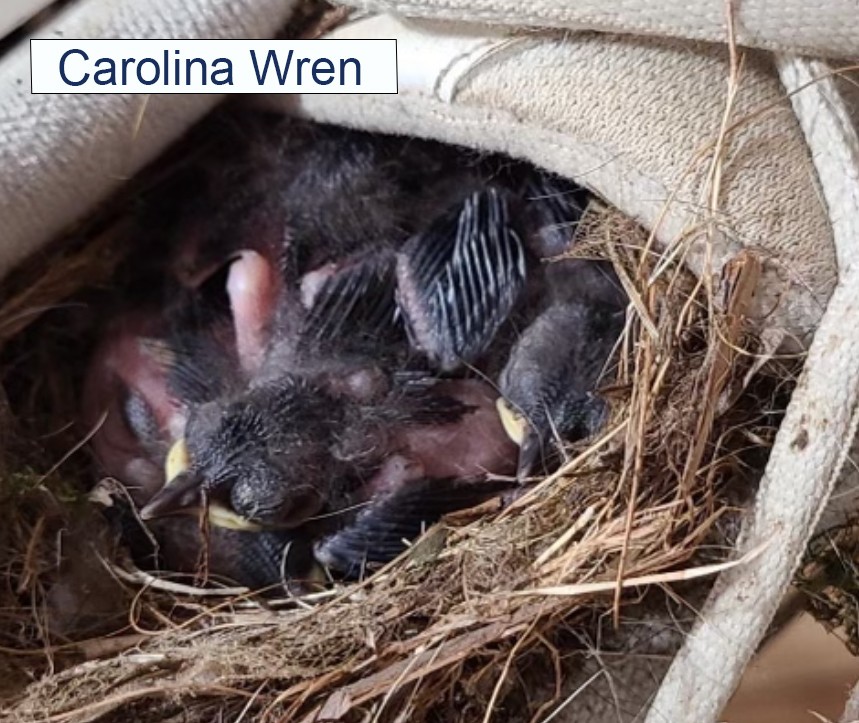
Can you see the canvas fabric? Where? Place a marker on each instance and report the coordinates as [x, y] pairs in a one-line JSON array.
[[814, 27], [13, 15], [638, 120], [62, 154]]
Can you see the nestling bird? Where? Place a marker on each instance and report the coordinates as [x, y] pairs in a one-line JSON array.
[[322, 359], [549, 382]]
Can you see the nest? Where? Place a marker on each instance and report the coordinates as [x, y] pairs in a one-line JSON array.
[[829, 578], [483, 616]]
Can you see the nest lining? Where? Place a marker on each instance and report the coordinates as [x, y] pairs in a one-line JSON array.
[[455, 626]]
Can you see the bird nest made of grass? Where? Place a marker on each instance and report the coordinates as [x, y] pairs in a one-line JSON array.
[[483, 616]]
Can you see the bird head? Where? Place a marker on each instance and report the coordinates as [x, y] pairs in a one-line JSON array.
[[258, 460]]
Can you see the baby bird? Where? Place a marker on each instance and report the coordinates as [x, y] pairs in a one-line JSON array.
[[319, 369]]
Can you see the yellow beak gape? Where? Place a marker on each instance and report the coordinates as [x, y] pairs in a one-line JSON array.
[[513, 422], [179, 461], [221, 516]]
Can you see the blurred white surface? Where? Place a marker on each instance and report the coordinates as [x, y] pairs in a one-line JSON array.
[[14, 13]]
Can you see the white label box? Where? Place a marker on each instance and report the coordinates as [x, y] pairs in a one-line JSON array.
[[60, 65]]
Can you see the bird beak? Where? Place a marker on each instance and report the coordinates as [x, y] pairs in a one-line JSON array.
[[221, 516], [514, 423], [182, 493], [178, 461], [522, 433]]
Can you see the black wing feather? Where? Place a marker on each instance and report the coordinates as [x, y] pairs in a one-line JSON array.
[[460, 279], [355, 304], [384, 527]]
